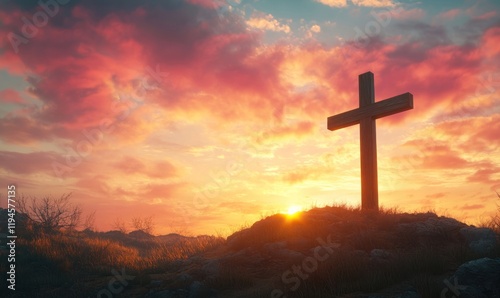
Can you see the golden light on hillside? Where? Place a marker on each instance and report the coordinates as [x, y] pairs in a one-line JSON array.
[[293, 210]]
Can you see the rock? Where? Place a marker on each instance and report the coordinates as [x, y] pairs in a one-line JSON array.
[[195, 289], [275, 246], [476, 279], [212, 267], [409, 294], [358, 253], [161, 294], [199, 290], [185, 277], [155, 283], [434, 230], [279, 250], [379, 254], [480, 240]]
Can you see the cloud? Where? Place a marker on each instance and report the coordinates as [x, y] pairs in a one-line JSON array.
[[27, 163], [286, 131], [304, 173], [10, 96], [449, 14], [267, 22], [315, 28], [487, 175], [374, 3], [243, 207], [333, 3], [210, 67], [24, 130], [472, 206], [438, 195], [408, 14], [208, 64], [486, 15], [366, 3], [130, 165]]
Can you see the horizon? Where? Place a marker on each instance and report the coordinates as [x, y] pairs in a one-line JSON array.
[[208, 115]]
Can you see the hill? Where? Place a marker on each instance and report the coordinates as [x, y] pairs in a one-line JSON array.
[[324, 252]]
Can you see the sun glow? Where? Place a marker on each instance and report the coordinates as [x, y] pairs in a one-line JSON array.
[[293, 210]]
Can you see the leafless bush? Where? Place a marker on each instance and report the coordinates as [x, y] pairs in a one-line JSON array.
[[144, 224], [120, 225], [51, 214], [88, 223]]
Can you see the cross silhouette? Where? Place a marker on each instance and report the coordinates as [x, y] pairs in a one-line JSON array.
[[365, 116]]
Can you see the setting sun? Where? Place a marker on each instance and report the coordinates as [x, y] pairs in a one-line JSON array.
[[292, 210]]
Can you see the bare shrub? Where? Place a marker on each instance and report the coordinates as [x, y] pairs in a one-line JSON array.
[[120, 225], [144, 224], [51, 214]]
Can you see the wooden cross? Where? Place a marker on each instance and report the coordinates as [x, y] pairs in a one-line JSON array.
[[365, 116]]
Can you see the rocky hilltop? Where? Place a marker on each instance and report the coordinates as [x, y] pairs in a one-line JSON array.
[[341, 252]]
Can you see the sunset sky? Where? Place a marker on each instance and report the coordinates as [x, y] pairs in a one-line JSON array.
[[209, 114]]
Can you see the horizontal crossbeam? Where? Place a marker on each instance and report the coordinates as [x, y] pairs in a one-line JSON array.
[[376, 110]]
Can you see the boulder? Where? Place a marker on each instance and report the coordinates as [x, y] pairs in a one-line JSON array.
[[280, 250], [475, 279], [481, 241], [211, 267], [379, 254]]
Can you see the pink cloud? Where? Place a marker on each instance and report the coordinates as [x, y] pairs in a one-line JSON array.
[[26, 163], [219, 72], [130, 165], [410, 14], [486, 15], [10, 96], [449, 14], [23, 130], [485, 174]]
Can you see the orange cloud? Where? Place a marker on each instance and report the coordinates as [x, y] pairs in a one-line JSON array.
[[286, 131], [268, 22], [374, 3], [333, 3]]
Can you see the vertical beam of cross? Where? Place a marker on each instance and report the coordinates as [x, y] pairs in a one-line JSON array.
[[365, 116], [368, 144]]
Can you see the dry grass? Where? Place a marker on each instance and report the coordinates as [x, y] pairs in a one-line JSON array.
[[97, 255], [83, 254], [494, 221], [165, 254]]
